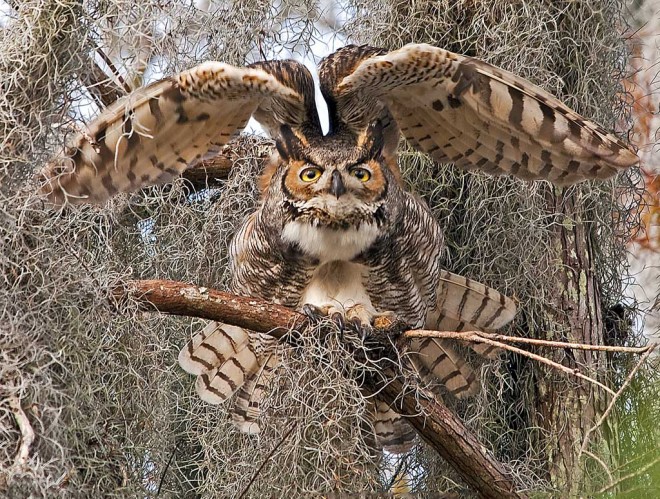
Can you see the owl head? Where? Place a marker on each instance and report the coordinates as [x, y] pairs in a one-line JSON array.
[[332, 180]]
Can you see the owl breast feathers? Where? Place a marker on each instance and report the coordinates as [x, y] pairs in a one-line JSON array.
[[336, 232]]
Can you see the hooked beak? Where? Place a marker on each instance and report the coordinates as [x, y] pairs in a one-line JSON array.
[[337, 186]]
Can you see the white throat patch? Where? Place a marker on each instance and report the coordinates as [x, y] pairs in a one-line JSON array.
[[330, 244]]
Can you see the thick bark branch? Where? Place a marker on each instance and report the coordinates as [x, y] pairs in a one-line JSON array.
[[209, 172], [172, 297], [100, 86], [436, 424], [446, 433]]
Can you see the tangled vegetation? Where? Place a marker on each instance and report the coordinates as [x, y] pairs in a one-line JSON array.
[[99, 384]]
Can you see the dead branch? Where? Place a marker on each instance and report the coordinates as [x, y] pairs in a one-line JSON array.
[[27, 433], [474, 336], [99, 85], [209, 172], [178, 298], [448, 436], [127, 88], [477, 337], [436, 424]]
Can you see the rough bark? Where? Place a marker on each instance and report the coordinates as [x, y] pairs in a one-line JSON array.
[[566, 412], [435, 423], [208, 173]]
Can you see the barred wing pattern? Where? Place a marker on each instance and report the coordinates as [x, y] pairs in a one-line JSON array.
[[150, 136], [229, 360], [391, 431], [461, 305], [467, 112], [455, 108]]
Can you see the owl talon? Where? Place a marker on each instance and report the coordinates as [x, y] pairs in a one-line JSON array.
[[360, 328], [365, 333], [338, 319], [313, 313]]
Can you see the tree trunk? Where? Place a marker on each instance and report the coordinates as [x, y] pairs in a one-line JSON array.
[[567, 407]]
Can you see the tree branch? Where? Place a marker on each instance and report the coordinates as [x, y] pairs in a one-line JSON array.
[[207, 173], [178, 298], [27, 433], [435, 423], [482, 336]]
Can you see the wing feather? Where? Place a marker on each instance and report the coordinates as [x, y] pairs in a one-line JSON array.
[[436, 361], [467, 305], [466, 111], [151, 135]]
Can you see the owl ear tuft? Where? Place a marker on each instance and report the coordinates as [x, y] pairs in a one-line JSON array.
[[289, 145], [372, 139]]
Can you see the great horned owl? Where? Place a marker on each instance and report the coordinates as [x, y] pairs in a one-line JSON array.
[[336, 229]]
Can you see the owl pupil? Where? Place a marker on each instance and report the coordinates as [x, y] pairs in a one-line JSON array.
[[361, 174], [310, 174]]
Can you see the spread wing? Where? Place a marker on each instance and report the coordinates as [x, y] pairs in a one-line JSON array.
[[466, 305], [462, 110], [346, 116], [462, 305], [151, 135]]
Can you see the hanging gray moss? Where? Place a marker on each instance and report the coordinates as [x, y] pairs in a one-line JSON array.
[[113, 414]]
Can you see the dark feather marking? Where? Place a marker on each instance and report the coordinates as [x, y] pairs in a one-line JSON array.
[[221, 358], [438, 105], [106, 180], [154, 107], [547, 130], [517, 103], [453, 101]]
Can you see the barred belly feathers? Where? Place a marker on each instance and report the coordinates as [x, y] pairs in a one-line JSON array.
[[336, 231]]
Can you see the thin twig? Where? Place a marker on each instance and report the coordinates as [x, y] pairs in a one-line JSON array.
[[473, 336], [630, 475], [27, 433], [270, 454], [162, 475], [627, 381], [601, 462], [100, 85], [127, 88]]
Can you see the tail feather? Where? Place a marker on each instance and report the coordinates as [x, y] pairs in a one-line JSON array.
[[449, 324], [247, 408], [435, 359], [392, 432], [467, 305], [220, 383], [230, 360], [464, 300], [212, 347]]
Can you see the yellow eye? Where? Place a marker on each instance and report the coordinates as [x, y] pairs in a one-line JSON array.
[[310, 174], [361, 174]]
